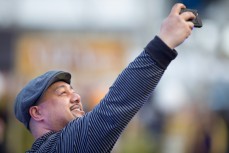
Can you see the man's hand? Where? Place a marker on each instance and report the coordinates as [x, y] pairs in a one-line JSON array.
[[176, 27]]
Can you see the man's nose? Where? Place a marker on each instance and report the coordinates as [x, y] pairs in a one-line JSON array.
[[75, 98]]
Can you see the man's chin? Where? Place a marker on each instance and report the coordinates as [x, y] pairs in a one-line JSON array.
[[79, 114]]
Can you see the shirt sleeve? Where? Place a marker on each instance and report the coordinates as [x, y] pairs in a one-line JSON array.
[[99, 129], [160, 52]]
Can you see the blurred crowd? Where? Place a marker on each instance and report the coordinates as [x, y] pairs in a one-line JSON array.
[[187, 113]]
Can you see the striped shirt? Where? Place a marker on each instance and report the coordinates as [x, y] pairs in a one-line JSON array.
[[98, 130]]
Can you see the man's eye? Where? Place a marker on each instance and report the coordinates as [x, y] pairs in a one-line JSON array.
[[63, 93]]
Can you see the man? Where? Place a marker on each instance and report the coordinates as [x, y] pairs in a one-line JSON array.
[[50, 108]]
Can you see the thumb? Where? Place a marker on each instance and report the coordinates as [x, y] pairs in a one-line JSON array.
[[177, 8]]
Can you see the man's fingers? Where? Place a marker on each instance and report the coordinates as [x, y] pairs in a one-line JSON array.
[[177, 8], [190, 24], [188, 16]]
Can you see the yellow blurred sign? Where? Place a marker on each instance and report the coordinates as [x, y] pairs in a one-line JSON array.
[[93, 60]]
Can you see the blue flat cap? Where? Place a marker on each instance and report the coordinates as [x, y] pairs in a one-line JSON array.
[[31, 93]]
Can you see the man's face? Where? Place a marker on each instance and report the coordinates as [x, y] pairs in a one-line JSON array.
[[60, 104]]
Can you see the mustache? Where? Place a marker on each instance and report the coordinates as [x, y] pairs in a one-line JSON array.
[[75, 106]]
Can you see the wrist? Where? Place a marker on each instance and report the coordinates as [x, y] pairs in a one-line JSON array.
[[167, 41]]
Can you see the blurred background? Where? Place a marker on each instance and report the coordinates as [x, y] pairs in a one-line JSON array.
[[95, 40]]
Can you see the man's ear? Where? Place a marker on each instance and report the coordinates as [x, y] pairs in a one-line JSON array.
[[35, 113]]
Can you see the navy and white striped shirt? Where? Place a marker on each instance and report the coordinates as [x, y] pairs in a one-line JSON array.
[[98, 130]]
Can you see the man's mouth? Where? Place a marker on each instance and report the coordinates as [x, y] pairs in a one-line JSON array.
[[75, 107], [77, 110]]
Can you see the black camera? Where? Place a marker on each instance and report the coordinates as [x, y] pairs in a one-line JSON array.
[[197, 21]]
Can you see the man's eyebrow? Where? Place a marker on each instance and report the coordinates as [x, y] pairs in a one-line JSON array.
[[62, 86], [58, 87]]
